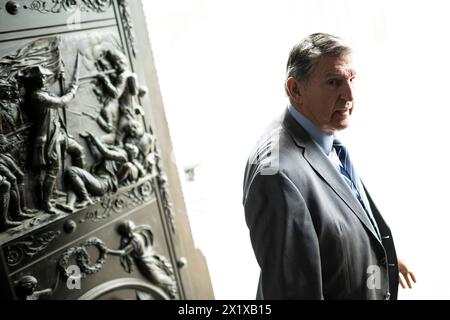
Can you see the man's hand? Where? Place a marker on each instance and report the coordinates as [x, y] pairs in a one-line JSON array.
[[405, 275], [74, 86], [101, 76]]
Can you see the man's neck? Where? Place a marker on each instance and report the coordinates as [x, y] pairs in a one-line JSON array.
[[323, 139]]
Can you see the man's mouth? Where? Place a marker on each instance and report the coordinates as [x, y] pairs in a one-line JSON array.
[[343, 110], [343, 113]]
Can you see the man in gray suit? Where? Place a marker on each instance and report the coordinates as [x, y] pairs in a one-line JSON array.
[[315, 230]]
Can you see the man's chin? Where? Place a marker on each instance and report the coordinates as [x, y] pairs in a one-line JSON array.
[[341, 125]]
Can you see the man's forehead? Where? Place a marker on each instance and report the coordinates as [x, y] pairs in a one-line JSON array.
[[329, 65]]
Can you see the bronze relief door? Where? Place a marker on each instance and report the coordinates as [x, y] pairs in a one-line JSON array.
[[90, 202]]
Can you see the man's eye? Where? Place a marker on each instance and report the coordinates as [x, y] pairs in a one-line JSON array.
[[333, 82]]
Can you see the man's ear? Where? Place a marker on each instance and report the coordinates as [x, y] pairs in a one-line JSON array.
[[293, 87]]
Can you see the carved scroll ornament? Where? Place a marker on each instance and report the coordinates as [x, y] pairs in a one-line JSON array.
[[57, 6]]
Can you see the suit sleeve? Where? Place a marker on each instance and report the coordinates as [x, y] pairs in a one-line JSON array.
[[283, 238]]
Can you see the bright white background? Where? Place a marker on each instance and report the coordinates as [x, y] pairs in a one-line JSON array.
[[221, 70]]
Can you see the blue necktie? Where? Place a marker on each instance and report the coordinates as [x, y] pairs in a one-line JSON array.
[[348, 171]]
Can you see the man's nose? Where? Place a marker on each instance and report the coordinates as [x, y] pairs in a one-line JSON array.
[[347, 91]]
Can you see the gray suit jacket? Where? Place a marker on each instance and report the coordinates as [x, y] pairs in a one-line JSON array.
[[311, 237]]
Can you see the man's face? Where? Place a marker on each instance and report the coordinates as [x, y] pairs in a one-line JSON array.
[[327, 98]]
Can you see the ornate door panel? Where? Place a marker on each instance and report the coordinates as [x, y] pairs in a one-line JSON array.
[[90, 202]]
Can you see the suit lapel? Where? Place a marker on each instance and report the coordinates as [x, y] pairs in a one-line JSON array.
[[324, 168]]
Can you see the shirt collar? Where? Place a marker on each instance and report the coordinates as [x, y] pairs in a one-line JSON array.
[[323, 139]]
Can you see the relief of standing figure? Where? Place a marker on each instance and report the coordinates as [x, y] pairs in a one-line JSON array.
[[15, 176], [113, 87], [118, 95], [51, 136], [5, 192]]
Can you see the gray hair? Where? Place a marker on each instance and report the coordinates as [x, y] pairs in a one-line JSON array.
[[304, 55]]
